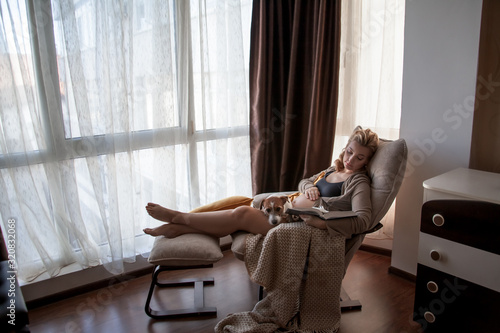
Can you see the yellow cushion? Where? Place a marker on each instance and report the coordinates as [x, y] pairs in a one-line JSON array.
[[226, 203]]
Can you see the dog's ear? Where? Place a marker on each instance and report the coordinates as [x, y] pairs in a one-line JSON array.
[[284, 199], [262, 203]]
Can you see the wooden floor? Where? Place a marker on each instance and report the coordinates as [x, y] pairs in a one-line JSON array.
[[387, 301]]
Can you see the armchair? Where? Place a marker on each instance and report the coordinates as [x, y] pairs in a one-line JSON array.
[[386, 170]]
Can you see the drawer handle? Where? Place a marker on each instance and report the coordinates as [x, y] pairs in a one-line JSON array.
[[430, 317], [435, 255], [432, 287], [438, 220]]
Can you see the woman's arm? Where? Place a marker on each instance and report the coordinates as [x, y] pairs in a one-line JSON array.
[[306, 183], [356, 197], [309, 192], [361, 205], [314, 221]]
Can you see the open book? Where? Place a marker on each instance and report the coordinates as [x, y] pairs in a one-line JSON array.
[[321, 213]]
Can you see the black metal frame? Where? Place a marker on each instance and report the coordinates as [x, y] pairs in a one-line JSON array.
[[346, 303], [199, 308]]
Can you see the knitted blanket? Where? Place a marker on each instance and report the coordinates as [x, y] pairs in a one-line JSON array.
[[301, 269]]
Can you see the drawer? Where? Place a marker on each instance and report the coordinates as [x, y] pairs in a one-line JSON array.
[[473, 223], [466, 262], [445, 303]]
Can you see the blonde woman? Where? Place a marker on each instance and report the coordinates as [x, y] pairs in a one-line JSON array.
[[345, 186]]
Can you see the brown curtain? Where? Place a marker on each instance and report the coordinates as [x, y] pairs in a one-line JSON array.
[[485, 145], [294, 56]]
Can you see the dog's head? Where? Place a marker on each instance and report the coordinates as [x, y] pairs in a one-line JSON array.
[[274, 208]]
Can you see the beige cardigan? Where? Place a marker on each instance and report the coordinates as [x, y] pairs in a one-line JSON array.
[[355, 196]]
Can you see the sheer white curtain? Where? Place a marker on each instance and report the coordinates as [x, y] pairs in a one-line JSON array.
[[107, 105], [370, 76]]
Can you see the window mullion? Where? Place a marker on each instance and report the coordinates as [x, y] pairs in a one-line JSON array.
[[47, 78], [186, 98]]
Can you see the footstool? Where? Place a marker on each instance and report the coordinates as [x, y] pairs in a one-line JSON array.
[[188, 251]]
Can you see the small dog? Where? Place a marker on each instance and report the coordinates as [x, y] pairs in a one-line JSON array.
[[274, 207]]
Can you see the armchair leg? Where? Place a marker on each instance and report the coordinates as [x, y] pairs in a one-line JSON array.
[[199, 308], [346, 303]]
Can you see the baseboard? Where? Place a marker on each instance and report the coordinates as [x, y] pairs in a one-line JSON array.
[[405, 275], [376, 250], [107, 283], [54, 289]]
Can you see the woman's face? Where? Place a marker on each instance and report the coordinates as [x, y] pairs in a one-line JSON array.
[[356, 156]]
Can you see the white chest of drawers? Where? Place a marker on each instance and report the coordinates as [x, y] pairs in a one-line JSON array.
[[464, 184], [458, 273]]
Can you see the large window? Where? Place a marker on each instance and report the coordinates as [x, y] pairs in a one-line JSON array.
[[106, 105]]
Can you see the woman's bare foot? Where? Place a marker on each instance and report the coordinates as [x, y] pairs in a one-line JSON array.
[[154, 231], [160, 213], [170, 230]]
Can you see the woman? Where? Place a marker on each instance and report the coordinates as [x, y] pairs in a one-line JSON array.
[[344, 187]]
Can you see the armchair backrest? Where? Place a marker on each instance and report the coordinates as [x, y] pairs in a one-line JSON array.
[[386, 170]]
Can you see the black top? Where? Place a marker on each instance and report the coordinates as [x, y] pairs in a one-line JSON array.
[[327, 189]]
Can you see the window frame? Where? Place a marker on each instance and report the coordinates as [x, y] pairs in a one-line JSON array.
[[60, 148]]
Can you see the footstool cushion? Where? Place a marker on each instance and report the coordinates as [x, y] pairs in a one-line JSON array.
[[185, 250]]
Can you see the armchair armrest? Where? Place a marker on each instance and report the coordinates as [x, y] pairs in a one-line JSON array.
[[259, 197]]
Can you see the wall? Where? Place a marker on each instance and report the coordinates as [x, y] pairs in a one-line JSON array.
[[439, 80]]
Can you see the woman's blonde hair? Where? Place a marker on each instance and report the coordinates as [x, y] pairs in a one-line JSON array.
[[365, 137]]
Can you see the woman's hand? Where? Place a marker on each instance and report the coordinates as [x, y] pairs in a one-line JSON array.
[[314, 221], [312, 193]]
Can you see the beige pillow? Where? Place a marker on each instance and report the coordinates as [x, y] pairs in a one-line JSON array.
[[185, 250]]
